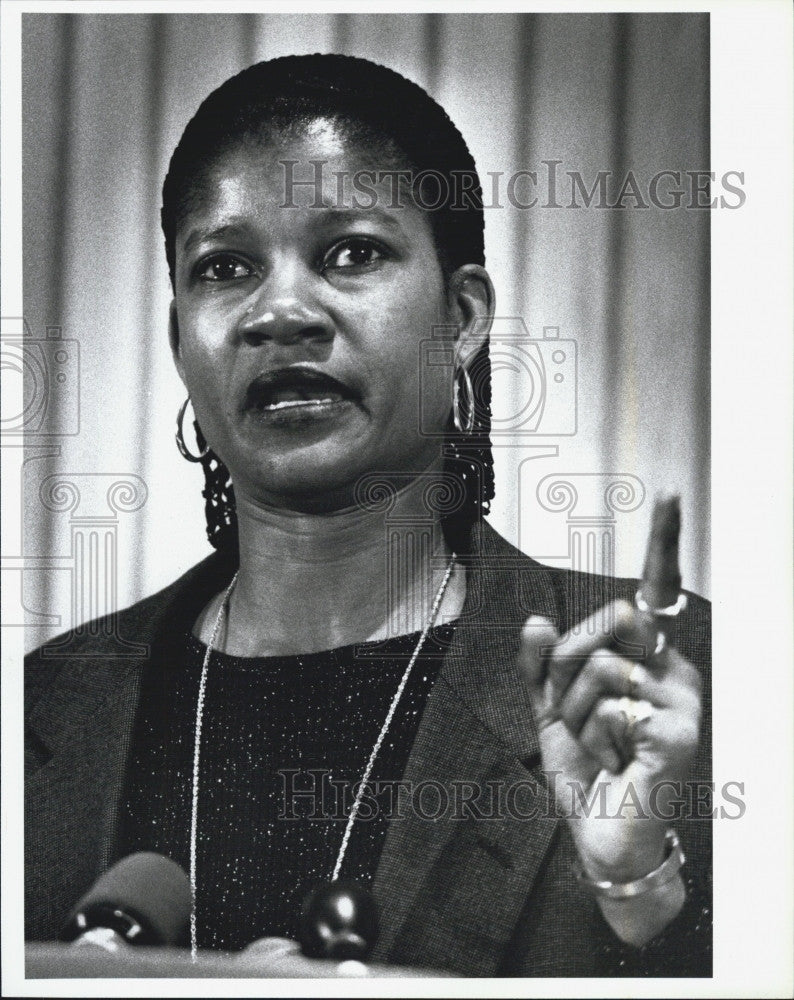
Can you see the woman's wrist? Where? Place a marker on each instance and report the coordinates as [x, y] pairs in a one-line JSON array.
[[645, 871], [636, 920], [639, 901]]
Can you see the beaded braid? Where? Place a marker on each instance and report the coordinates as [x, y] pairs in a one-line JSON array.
[[220, 508], [468, 458]]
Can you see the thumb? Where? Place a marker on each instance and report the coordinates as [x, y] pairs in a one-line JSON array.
[[537, 641]]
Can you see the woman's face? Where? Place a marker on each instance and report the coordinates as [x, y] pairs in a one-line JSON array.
[[297, 330]]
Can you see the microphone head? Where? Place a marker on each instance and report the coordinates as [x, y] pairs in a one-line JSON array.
[[145, 898], [339, 921]]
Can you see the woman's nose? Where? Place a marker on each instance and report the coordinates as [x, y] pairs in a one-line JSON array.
[[284, 313]]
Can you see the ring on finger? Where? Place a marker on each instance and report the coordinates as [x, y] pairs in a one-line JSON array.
[[634, 679], [653, 612], [635, 713]]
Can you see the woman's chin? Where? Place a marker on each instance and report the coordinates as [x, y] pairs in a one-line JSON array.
[[318, 480], [311, 483]]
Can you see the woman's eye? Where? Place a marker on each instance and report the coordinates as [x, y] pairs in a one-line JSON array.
[[223, 268], [354, 253]]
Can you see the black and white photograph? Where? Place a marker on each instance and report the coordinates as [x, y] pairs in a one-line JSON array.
[[380, 389]]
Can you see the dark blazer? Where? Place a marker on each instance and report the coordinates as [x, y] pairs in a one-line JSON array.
[[474, 891]]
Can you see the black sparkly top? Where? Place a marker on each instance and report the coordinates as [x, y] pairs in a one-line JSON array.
[[285, 741]]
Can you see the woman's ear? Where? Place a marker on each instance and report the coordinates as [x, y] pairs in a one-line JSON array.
[[472, 300], [173, 339]]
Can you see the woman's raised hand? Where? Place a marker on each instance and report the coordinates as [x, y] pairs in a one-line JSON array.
[[618, 712]]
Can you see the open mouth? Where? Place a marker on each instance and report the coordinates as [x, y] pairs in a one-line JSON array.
[[294, 391]]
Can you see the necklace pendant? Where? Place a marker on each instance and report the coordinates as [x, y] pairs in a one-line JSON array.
[[339, 921]]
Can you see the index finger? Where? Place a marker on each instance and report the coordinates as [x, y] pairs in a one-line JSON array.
[[658, 601], [661, 575]]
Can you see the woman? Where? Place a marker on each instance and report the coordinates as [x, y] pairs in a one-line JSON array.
[[365, 680]]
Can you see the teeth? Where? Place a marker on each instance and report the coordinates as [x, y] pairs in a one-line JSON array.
[[293, 403]]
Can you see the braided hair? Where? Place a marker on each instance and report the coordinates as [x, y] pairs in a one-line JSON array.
[[384, 111]]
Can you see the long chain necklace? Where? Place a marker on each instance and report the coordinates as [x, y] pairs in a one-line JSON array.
[[223, 611]]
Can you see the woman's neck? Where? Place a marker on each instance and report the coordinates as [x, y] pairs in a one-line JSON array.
[[309, 582]]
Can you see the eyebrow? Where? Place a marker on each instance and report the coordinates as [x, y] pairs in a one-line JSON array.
[[328, 216], [232, 228], [332, 216]]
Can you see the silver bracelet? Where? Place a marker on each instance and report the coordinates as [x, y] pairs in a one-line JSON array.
[[660, 876]]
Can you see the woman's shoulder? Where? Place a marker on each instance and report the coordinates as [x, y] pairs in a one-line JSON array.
[[130, 632]]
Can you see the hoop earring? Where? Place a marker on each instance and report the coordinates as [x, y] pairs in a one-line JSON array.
[[180, 438], [465, 426]]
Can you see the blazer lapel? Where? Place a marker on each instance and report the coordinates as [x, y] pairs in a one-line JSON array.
[[451, 889]]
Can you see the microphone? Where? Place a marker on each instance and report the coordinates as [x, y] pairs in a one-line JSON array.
[[144, 899], [339, 921]]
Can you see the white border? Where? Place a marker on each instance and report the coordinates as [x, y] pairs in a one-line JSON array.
[[752, 323]]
